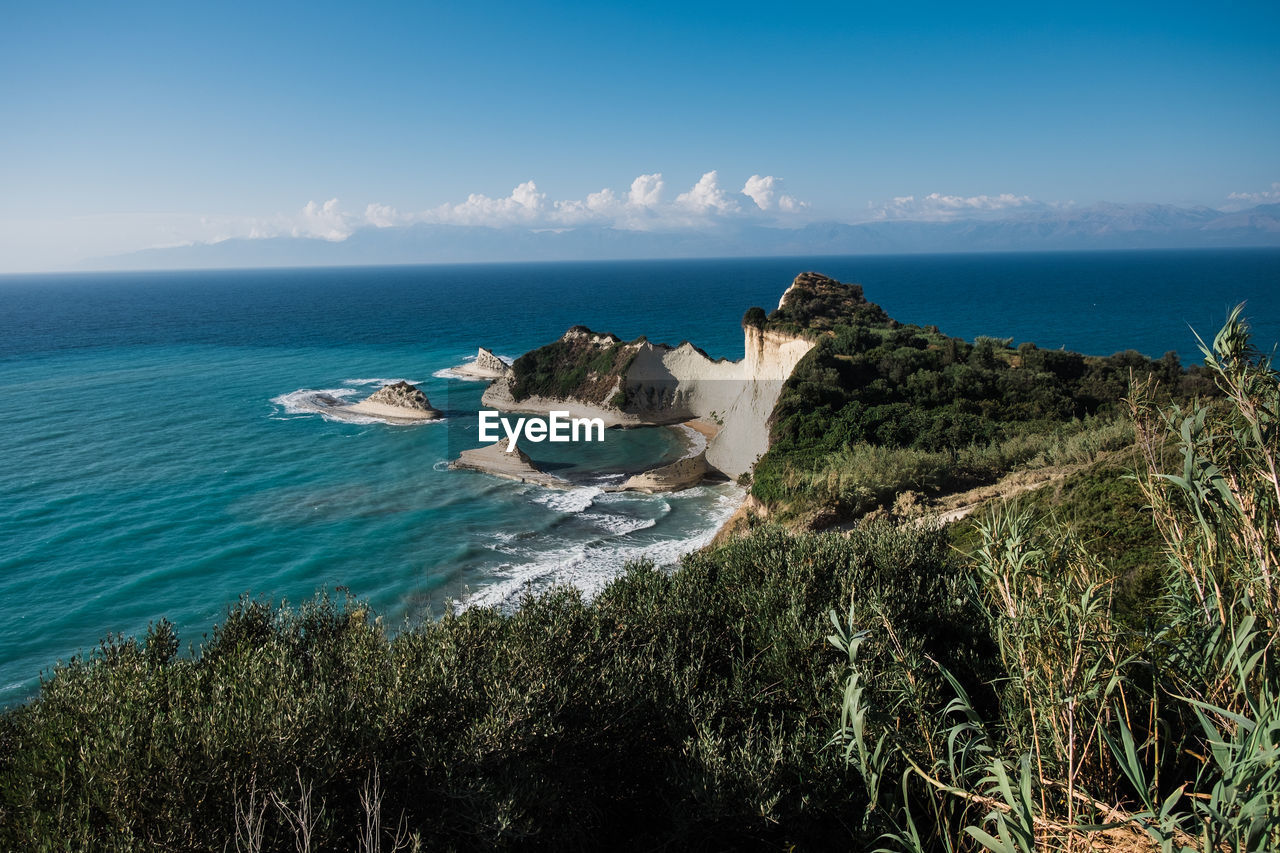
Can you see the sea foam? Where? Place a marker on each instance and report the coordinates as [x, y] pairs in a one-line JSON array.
[[590, 565]]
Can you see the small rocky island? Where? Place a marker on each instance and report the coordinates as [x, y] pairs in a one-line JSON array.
[[398, 402], [513, 464], [485, 366]]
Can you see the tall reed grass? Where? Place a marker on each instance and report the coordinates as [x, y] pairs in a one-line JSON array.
[[1093, 735]]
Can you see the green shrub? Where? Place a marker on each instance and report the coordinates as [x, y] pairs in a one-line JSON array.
[[684, 709]]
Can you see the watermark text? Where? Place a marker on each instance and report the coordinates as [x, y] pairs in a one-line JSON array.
[[557, 427]]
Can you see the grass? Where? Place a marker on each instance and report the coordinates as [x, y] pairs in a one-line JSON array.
[[859, 478]]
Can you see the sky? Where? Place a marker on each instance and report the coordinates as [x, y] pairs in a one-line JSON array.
[[130, 125]]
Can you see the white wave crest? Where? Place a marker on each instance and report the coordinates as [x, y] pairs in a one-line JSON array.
[[566, 500], [379, 382], [331, 404], [451, 373], [590, 566], [697, 442], [619, 525], [324, 402]]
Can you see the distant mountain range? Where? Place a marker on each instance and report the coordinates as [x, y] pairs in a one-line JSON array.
[[1102, 226]]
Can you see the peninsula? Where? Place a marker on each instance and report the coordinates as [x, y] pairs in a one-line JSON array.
[[838, 411], [640, 383]]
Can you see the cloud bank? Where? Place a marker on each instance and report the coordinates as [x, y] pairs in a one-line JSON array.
[[641, 207], [648, 204], [937, 207], [1238, 201]]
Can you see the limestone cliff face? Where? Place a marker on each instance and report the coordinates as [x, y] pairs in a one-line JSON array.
[[487, 362], [770, 358], [486, 365], [773, 355], [640, 383]]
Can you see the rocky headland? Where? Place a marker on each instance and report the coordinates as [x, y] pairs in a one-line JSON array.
[[640, 383]]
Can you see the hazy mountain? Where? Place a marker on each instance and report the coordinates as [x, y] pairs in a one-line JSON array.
[[1102, 226]]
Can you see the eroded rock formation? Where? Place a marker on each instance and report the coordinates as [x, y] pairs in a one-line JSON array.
[[680, 474], [398, 402], [515, 464], [402, 395], [485, 366]]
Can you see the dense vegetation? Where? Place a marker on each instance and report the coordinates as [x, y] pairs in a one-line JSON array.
[[878, 408], [1103, 507], [581, 364], [690, 709], [815, 305], [1155, 736], [876, 689]]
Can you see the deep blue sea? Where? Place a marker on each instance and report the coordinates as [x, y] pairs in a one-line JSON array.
[[154, 466]]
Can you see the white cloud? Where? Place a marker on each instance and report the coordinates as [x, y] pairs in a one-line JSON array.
[[706, 196], [646, 191], [527, 196], [937, 206], [641, 207], [602, 201], [767, 190], [326, 221], [1264, 197], [382, 215], [604, 205], [761, 190], [522, 207]]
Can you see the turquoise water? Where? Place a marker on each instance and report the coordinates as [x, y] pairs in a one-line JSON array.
[[154, 467]]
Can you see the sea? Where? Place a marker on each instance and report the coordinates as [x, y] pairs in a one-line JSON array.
[[159, 457]]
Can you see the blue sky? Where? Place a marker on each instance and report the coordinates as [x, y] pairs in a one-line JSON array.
[[127, 125]]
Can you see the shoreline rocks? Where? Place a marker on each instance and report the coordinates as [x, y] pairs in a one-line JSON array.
[[681, 474], [496, 460]]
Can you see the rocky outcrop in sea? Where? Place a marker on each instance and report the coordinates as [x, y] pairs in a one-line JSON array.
[[485, 366], [402, 395]]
